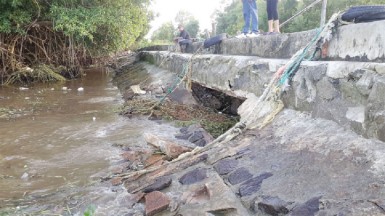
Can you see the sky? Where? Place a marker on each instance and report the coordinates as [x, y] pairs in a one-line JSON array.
[[200, 9]]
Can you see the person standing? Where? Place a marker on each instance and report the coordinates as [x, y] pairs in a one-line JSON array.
[[249, 12], [272, 16]]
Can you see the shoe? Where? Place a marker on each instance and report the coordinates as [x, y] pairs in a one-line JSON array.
[[253, 35], [241, 36]]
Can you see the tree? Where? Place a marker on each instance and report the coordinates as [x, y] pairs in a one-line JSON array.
[[192, 27], [188, 21], [67, 32], [164, 33], [230, 20], [183, 17]]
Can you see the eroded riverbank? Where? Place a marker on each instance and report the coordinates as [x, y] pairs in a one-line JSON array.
[[61, 142], [54, 152]]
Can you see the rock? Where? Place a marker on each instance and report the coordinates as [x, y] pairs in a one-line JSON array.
[[356, 114], [380, 68], [197, 135], [326, 89], [213, 197], [116, 181], [239, 175], [153, 140], [154, 160], [183, 136], [171, 149], [156, 202], [201, 143], [201, 195], [308, 208], [365, 83], [116, 169], [184, 130], [192, 128], [159, 184], [225, 166], [159, 90], [135, 198], [137, 155], [194, 176], [252, 185], [131, 156], [128, 95], [272, 206]]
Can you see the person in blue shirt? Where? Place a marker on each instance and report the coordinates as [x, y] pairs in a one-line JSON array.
[[249, 12]]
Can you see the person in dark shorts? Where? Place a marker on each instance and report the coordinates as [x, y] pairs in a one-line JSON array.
[[272, 16], [184, 39]]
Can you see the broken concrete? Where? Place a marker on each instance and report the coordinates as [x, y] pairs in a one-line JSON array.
[[310, 160], [325, 89]]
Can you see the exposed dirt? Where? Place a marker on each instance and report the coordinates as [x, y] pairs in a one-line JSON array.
[[214, 122], [182, 106]]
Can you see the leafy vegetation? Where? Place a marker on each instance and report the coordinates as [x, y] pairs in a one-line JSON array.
[[167, 31], [164, 33], [67, 32], [230, 20]]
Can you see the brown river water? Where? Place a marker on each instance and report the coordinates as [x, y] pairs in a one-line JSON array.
[[55, 145]]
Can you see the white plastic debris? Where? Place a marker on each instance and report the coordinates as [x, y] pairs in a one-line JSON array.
[[24, 176], [94, 118], [80, 89], [23, 88], [64, 88], [136, 89]]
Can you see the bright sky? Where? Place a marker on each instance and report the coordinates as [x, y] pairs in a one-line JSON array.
[[200, 9]]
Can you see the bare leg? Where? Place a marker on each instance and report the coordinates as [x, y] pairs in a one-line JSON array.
[[276, 26], [270, 23]]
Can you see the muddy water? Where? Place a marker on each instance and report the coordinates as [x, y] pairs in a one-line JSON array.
[[55, 144]]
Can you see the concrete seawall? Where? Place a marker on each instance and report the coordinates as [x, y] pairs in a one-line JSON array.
[[345, 91], [348, 93]]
